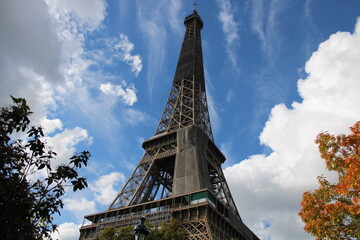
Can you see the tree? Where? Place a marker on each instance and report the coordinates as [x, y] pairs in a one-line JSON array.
[[125, 233], [333, 211], [27, 203], [109, 233], [171, 230]]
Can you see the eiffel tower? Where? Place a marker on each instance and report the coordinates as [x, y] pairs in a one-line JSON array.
[[180, 174]]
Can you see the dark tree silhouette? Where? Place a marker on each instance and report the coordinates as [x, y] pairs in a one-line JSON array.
[[27, 203]]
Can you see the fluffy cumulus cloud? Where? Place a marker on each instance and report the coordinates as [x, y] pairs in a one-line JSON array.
[[79, 207], [32, 57], [41, 49], [67, 231], [87, 13], [127, 93], [104, 187], [102, 191], [29, 56], [268, 188], [64, 143], [44, 58], [126, 48], [73, 20]]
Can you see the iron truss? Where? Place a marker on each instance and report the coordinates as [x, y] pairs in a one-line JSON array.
[[149, 178], [186, 106]]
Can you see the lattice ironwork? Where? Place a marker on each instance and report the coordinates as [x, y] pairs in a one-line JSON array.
[[161, 152], [219, 185], [126, 194], [148, 178], [197, 230], [180, 173], [186, 106]]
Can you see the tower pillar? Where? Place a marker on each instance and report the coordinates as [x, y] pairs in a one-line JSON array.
[[191, 170]]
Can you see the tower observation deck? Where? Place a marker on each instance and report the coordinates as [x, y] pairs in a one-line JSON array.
[[180, 173]]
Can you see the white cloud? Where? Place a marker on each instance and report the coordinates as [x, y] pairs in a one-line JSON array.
[[35, 89], [270, 187], [230, 27], [154, 25], [214, 115], [264, 22], [226, 148], [156, 35], [67, 231], [357, 27], [175, 21], [50, 125], [25, 33], [215, 118], [72, 21], [128, 94], [79, 207], [83, 204], [257, 19], [133, 117], [64, 143], [230, 95], [29, 55], [259, 229], [231, 30], [41, 49], [127, 47], [89, 13], [104, 187]]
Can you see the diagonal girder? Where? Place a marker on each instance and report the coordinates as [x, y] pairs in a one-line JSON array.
[[186, 106]]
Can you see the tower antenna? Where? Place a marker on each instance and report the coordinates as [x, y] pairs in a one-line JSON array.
[[195, 5]]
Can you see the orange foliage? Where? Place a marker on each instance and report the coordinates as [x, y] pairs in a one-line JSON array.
[[333, 211]]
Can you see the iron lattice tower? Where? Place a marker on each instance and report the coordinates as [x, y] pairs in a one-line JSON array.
[[180, 173]]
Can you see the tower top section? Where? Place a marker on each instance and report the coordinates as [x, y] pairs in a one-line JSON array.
[[194, 17], [187, 103]]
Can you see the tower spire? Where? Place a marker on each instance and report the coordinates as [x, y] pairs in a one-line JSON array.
[[187, 103]]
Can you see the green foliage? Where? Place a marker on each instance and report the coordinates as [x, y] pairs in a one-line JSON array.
[[30, 188], [109, 233], [171, 230], [125, 233]]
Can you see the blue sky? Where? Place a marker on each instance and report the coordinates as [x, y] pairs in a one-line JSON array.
[[97, 75]]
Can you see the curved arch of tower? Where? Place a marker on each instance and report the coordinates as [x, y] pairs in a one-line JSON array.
[[180, 172]]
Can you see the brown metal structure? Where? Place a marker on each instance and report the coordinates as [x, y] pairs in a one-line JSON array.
[[180, 173]]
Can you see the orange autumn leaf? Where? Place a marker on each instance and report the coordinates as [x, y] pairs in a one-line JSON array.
[[333, 210]]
